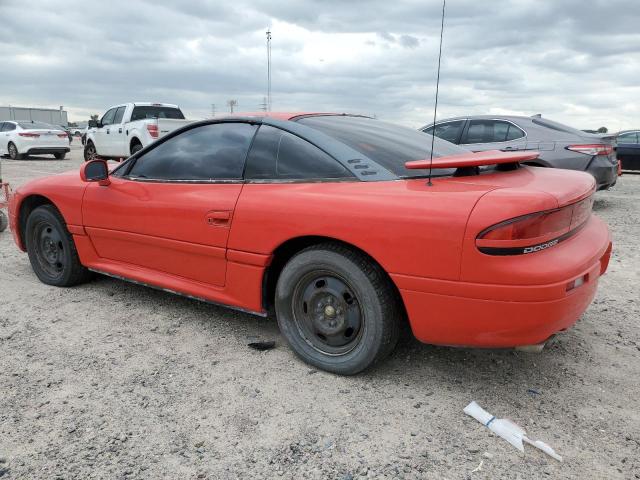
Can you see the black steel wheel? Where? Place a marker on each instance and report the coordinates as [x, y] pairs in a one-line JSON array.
[[337, 308], [51, 249], [90, 152], [135, 148]]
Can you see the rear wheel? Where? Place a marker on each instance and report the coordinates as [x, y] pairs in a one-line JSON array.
[[90, 152], [136, 147], [13, 152], [51, 249], [4, 222], [337, 309], [59, 156]]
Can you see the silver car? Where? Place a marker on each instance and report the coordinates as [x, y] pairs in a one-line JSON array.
[[560, 146]]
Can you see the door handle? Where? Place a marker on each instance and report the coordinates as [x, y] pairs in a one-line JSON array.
[[218, 218], [107, 131], [120, 130]]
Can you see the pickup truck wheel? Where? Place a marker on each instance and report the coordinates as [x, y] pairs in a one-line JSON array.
[[337, 309], [4, 222], [13, 152], [59, 156], [90, 152], [52, 251], [136, 147]]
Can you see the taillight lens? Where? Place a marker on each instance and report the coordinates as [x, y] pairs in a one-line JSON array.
[[534, 232], [592, 149], [30, 135], [62, 135], [153, 130]]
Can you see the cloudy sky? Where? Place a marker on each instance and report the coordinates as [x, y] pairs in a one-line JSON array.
[[573, 61]]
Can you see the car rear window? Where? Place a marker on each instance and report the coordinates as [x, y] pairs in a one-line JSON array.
[[387, 144], [142, 112], [39, 125], [556, 126]]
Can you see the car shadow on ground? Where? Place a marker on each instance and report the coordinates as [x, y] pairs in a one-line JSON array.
[[471, 371], [36, 158]]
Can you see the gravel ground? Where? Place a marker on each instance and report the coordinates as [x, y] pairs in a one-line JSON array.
[[113, 380]]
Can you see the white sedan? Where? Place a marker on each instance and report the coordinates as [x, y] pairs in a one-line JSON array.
[[21, 138]]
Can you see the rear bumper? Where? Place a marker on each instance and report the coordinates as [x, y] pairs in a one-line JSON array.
[[605, 172], [47, 150], [491, 315]]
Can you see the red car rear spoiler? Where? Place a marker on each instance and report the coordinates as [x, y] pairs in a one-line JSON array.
[[492, 157]]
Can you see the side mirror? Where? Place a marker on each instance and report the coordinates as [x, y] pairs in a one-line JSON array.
[[92, 123], [95, 171]]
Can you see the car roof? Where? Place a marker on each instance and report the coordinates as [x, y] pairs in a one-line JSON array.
[[283, 115]]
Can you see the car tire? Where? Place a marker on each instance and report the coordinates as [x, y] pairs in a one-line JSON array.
[[4, 222], [135, 148], [13, 152], [51, 249], [90, 152], [59, 156], [337, 309]]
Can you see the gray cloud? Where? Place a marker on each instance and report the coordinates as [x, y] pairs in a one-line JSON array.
[[572, 62]]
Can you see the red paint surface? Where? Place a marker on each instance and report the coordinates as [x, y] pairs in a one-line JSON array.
[[216, 241]]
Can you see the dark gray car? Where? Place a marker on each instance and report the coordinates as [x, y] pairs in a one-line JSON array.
[[560, 146]]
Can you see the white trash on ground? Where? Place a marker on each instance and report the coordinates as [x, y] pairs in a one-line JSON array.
[[508, 430]]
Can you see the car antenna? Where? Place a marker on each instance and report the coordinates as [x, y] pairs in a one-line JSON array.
[[435, 108]]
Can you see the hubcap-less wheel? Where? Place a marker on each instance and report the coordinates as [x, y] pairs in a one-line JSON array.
[[327, 313], [13, 151], [49, 248], [90, 152]]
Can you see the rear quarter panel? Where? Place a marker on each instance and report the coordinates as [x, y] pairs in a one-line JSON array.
[[405, 226]]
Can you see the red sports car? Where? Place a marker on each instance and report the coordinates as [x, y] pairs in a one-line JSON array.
[[331, 221]]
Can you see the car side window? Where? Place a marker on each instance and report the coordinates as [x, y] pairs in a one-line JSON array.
[[631, 137], [279, 155], [117, 119], [491, 131], [207, 153], [107, 119], [449, 131], [8, 127]]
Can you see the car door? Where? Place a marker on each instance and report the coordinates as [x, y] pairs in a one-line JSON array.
[[627, 145], [171, 209], [493, 134], [116, 137], [101, 136]]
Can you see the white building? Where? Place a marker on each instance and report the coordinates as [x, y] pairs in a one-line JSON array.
[[46, 115]]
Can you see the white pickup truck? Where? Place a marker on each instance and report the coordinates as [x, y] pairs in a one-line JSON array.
[[127, 128]]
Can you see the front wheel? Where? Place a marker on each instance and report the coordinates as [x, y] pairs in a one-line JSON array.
[[51, 249], [337, 309], [13, 152], [90, 152]]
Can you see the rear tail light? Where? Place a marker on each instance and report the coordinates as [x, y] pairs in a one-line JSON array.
[[62, 135], [592, 149], [30, 135], [153, 130], [534, 232]]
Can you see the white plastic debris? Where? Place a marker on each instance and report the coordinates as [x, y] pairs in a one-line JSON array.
[[508, 430]]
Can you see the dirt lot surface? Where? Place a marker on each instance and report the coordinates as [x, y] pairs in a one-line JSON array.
[[113, 380]]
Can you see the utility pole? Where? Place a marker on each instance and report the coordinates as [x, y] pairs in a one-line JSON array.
[[263, 105], [213, 110], [268, 70], [231, 104]]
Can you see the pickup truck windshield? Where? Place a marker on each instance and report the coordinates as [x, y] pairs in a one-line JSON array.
[[143, 112]]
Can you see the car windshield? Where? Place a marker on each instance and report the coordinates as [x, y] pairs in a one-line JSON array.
[[142, 112], [387, 144], [38, 125]]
